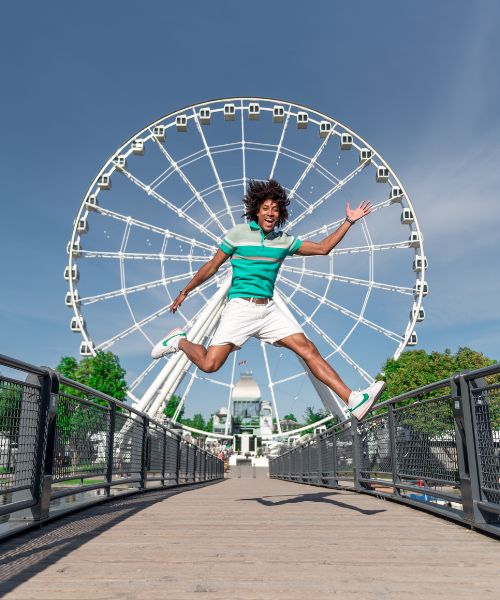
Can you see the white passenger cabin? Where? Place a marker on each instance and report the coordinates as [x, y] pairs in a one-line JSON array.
[[82, 226], [159, 133], [104, 182], [74, 248], [345, 141], [407, 216], [325, 128], [86, 349], [205, 115], [77, 324], [121, 162], [253, 111], [418, 285], [138, 147], [91, 203], [229, 112], [419, 314], [365, 155], [412, 340], [278, 114], [396, 194], [181, 123], [74, 275], [302, 120], [414, 239], [420, 263], [382, 175], [71, 298]]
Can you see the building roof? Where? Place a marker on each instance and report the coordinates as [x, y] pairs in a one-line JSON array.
[[246, 389]]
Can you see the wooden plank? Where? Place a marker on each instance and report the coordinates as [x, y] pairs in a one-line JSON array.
[[251, 538]]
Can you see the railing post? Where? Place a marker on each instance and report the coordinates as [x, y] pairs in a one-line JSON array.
[[334, 458], [320, 459], [111, 447], [356, 454], [178, 466], [43, 443], [466, 450], [164, 457], [394, 450], [195, 463], [144, 452]]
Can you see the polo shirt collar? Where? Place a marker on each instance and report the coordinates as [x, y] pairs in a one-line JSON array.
[[255, 225]]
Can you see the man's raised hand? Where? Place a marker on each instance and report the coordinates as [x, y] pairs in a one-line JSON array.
[[358, 213]]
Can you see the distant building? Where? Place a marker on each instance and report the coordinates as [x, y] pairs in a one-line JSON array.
[[220, 419]]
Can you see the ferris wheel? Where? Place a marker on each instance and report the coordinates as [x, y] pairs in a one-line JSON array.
[[158, 209]]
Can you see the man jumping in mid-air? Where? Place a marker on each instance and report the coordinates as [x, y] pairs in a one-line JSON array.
[[257, 250]]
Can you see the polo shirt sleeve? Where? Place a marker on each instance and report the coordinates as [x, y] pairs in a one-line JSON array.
[[228, 244], [295, 244]]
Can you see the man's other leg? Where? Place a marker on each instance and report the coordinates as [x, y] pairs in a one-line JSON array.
[[318, 366], [208, 359]]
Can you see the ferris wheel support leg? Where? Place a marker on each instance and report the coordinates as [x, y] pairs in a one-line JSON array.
[[208, 317], [330, 400], [183, 363]]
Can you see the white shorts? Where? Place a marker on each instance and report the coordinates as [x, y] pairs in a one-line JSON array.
[[241, 319]]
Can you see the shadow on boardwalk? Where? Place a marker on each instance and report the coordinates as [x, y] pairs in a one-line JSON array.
[[28, 554], [319, 497]]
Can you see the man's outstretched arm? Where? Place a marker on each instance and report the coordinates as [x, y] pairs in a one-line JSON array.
[[205, 272], [328, 244]]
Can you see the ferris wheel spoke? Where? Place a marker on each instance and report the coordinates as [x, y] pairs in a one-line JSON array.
[[132, 289], [343, 310], [333, 190], [325, 229], [280, 143], [243, 158], [185, 395], [337, 349], [187, 181], [154, 228], [344, 279], [309, 166], [358, 249], [142, 256], [182, 162], [140, 378], [214, 168], [175, 209]]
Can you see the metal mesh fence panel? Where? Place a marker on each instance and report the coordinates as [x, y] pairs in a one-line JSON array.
[[344, 452], [425, 441], [374, 439], [190, 463], [184, 450], [486, 412], [156, 448], [127, 453], [327, 458], [81, 443], [19, 430], [171, 457]]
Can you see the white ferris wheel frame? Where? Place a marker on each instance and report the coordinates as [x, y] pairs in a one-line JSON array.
[[203, 324]]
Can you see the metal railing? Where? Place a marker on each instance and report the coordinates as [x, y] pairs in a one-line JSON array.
[[436, 447], [63, 444]]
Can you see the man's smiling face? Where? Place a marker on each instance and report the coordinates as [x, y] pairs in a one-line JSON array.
[[268, 215]]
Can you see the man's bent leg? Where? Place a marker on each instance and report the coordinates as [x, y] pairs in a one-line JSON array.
[[316, 363], [208, 360]]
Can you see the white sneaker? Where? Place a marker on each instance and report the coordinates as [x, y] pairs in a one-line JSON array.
[[361, 402], [169, 344]]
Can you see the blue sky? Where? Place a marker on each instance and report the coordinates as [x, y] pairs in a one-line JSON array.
[[419, 81]]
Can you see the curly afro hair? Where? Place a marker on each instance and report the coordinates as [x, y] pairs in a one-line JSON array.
[[258, 191]]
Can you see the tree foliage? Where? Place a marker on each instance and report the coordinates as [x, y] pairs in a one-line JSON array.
[[416, 368], [102, 372]]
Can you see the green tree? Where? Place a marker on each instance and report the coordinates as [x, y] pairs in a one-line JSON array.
[[290, 417], [171, 407], [311, 416], [417, 368]]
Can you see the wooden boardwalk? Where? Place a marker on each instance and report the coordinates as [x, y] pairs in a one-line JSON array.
[[250, 539]]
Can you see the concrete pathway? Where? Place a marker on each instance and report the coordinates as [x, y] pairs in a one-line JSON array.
[[250, 539]]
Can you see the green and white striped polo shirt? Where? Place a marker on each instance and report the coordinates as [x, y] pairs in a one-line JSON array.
[[256, 259]]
